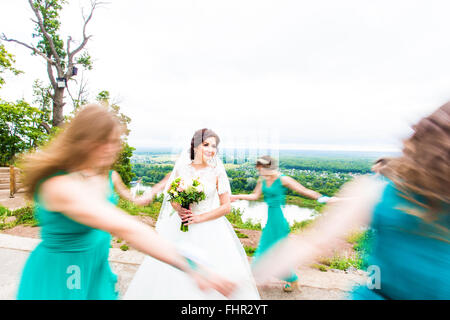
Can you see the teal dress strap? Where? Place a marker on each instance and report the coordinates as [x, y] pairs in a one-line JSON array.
[[113, 197]]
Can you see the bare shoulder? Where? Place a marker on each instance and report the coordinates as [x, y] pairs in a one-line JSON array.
[[286, 180], [61, 188], [58, 183]]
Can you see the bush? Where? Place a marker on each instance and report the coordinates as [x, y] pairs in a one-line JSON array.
[[235, 218], [151, 210], [299, 226], [250, 251], [24, 216]]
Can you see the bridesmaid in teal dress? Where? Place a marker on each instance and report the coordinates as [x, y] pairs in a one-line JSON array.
[[75, 204], [70, 253], [277, 227], [409, 210]]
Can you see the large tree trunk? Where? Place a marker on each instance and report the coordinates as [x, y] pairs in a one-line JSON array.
[[58, 104]]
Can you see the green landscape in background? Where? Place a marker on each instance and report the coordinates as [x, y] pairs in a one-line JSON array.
[[322, 171]]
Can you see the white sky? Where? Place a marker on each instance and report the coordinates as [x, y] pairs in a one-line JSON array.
[[316, 74]]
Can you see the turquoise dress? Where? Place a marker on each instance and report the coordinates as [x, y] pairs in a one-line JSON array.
[[277, 228], [71, 261], [411, 257]]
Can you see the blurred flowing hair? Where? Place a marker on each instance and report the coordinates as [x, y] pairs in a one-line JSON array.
[[91, 127], [424, 167]]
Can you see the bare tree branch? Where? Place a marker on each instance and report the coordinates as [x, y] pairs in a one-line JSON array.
[[51, 76], [47, 36], [46, 126], [81, 91], [3, 37], [94, 5]]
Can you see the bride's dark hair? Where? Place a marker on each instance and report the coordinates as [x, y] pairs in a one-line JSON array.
[[200, 136]]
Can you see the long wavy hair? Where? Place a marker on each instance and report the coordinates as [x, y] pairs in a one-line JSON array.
[[91, 127], [424, 167]]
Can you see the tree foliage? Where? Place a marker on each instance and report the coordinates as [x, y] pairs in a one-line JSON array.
[[20, 129], [61, 56], [6, 64]]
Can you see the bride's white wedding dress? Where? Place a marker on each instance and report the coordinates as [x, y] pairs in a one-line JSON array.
[[213, 242]]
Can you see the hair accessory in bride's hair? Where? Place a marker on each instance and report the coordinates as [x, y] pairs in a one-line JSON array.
[[262, 161]]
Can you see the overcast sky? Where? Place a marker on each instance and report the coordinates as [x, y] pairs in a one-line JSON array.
[[316, 74]]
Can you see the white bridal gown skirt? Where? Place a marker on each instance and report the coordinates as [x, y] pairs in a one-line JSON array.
[[215, 244]]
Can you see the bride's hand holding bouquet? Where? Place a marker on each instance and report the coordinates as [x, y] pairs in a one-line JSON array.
[[182, 193]]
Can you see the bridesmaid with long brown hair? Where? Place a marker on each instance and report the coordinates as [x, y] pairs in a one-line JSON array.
[[409, 212], [74, 204]]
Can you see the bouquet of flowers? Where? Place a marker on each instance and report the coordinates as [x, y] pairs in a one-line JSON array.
[[186, 192]]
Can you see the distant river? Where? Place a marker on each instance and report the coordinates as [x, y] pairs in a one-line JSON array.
[[257, 212]]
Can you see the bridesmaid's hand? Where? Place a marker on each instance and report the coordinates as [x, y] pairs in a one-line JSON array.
[[234, 197], [334, 200], [145, 199], [207, 279]]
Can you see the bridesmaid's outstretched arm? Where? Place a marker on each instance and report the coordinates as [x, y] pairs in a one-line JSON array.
[[292, 184], [339, 218], [145, 199], [255, 195], [70, 197]]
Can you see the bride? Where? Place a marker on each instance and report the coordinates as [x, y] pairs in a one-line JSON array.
[[210, 238]]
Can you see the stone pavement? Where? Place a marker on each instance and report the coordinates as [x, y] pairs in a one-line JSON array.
[[12, 203], [14, 252], [315, 285]]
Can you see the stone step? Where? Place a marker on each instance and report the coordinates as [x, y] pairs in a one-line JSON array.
[[4, 169], [4, 186], [4, 180]]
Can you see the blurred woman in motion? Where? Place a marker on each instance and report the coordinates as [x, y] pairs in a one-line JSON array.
[[274, 185], [409, 211], [71, 184]]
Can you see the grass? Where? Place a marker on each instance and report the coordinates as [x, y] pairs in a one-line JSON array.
[[24, 216], [250, 251], [235, 218], [151, 210], [300, 226], [342, 263], [319, 267], [361, 244], [124, 247], [240, 235]]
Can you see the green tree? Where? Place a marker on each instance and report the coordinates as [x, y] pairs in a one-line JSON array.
[[123, 163], [61, 58], [6, 64], [42, 100], [20, 129]]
